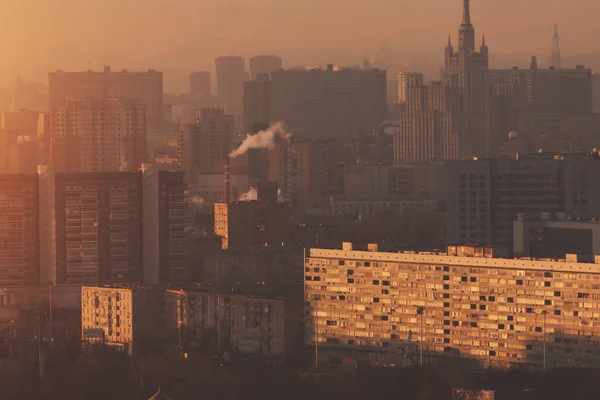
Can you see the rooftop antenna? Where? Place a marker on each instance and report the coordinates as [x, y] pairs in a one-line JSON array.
[[555, 58]]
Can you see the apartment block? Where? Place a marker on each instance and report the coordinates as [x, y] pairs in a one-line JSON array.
[[142, 87], [256, 324], [165, 218], [130, 319], [332, 102], [206, 144], [253, 223], [19, 236], [554, 235], [468, 302], [97, 136], [485, 196], [91, 227]]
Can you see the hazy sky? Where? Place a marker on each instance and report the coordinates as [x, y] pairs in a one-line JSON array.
[[39, 35]]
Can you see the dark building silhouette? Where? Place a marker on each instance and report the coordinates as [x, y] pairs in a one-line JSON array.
[[200, 83]]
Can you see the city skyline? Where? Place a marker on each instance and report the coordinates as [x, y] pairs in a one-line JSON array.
[[29, 36]]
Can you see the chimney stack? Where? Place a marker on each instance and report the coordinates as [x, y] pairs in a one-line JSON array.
[[227, 181]]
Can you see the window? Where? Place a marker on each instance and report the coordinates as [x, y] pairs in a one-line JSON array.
[[446, 268], [446, 313], [385, 283], [473, 324], [556, 312], [473, 279], [519, 282], [547, 302], [538, 329], [510, 300], [492, 298], [308, 278], [446, 277], [500, 326], [446, 331], [375, 282], [342, 297], [483, 307], [473, 306], [463, 278], [367, 263], [547, 274], [317, 278], [446, 340], [350, 272], [350, 280], [492, 353], [385, 318], [557, 294], [529, 310], [446, 287], [446, 304], [342, 262], [576, 313], [446, 322], [546, 284], [482, 298], [510, 318], [446, 295], [583, 295], [375, 299], [529, 347], [454, 323], [385, 291]]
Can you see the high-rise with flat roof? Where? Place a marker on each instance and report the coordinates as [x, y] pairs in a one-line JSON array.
[[91, 227], [165, 220], [331, 102], [200, 83], [206, 144], [484, 196], [19, 231], [467, 302], [97, 136], [264, 65], [144, 88], [231, 74]]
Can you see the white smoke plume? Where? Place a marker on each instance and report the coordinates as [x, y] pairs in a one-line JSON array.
[[250, 195], [263, 139]]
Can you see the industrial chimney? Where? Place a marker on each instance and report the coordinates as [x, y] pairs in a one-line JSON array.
[[227, 181]]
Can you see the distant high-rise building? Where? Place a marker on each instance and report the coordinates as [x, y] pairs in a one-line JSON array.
[[257, 109], [333, 103], [200, 83], [426, 131], [206, 143], [466, 75], [23, 155], [15, 124], [142, 88], [305, 172], [103, 136], [264, 64], [19, 230], [165, 222], [90, 227], [484, 197], [30, 95], [231, 74]]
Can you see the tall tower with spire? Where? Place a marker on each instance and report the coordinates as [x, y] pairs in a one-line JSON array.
[[555, 60], [467, 79]]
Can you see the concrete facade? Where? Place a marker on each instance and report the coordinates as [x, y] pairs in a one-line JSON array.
[[466, 302]]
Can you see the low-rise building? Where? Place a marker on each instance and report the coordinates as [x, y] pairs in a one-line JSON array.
[[252, 321], [554, 235], [127, 318], [466, 302]]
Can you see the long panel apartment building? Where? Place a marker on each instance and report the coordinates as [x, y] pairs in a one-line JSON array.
[[466, 303]]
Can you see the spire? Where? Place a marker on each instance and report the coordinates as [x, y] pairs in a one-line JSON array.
[[483, 41], [466, 13], [449, 41], [555, 58]]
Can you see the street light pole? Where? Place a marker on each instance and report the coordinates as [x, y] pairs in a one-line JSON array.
[[421, 311], [544, 348]]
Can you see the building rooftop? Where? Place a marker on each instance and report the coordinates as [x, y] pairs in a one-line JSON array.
[[476, 256], [560, 216]]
